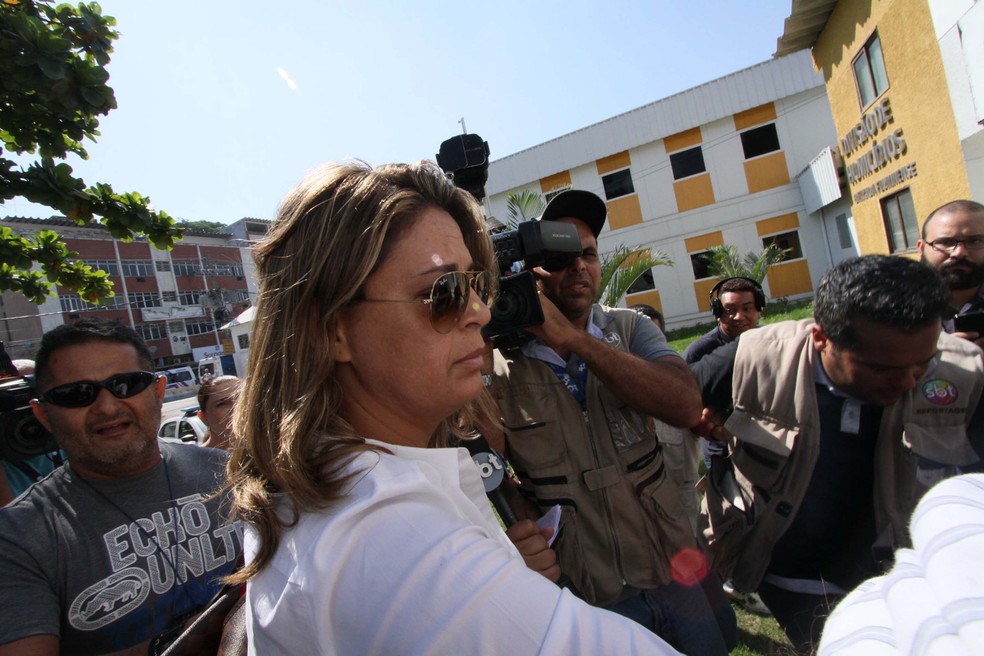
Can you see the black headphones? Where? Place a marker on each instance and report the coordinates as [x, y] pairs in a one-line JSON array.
[[715, 296]]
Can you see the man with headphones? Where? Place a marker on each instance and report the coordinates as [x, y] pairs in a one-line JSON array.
[[737, 305]]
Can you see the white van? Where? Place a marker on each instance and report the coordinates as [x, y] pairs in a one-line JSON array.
[[180, 378]]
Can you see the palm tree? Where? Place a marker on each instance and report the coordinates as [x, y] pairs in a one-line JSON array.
[[725, 262], [524, 206], [623, 267]]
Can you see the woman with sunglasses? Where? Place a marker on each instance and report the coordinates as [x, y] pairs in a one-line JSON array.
[[365, 535]]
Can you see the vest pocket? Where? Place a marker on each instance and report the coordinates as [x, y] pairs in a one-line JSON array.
[[758, 465], [667, 524], [535, 436]]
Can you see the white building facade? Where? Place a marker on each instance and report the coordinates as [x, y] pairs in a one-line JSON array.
[[744, 160]]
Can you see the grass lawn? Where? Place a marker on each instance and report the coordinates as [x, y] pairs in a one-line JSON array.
[[758, 636]]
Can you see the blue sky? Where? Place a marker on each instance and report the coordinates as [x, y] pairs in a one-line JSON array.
[[224, 105]]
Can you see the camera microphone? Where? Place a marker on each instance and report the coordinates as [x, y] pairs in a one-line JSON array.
[[492, 468]]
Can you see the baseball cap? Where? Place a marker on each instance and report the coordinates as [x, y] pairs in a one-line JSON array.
[[577, 204]]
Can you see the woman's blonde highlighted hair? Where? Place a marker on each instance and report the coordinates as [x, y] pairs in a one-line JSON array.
[[331, 232]]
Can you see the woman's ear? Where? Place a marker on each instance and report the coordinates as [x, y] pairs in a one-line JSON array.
[[340, 338]]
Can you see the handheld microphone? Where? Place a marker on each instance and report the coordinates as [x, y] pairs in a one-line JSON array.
[[492, 468]]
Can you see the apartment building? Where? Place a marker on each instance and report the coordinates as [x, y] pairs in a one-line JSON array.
[[177, 300], [745, 160]]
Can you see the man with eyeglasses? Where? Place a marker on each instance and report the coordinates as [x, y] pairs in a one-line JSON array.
[[116, 551], [577, 406], [953, 244]]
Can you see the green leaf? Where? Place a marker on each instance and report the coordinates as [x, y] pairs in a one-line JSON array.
[[53, 90]]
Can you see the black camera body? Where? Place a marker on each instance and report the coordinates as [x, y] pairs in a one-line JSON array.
[[548, 244], [21, 435]]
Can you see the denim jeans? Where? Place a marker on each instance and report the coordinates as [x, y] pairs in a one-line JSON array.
[[695, 619]]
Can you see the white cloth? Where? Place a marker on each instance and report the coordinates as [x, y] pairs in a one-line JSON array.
[[412, 561], [932, 602]]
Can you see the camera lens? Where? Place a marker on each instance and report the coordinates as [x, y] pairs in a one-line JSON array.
[[508, 306]]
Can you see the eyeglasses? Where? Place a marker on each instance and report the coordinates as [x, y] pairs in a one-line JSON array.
[[948, 244], [449, 297], [83, 393]]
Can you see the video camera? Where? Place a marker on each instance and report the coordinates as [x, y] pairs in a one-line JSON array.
[[21, 435], [548, 244]]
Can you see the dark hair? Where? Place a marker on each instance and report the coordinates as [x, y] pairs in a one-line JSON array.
[[884, 289], [968, 206], [83, 332], [208, 388], [651, 312], [739, 285]]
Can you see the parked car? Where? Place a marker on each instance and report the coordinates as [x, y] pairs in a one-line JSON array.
[[186, 430]]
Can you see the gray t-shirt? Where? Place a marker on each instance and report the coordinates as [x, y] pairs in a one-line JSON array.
[[108, 564]]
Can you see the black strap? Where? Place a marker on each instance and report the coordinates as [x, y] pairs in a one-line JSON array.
[[31, 472]]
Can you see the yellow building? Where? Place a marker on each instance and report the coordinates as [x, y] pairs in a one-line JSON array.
[[905, 81]]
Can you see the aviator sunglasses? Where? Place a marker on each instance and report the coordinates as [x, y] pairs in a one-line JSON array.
[[449, 297], [83, 393]]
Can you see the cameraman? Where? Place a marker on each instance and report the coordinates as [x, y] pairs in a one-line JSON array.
[[577, 406], [15, 477]]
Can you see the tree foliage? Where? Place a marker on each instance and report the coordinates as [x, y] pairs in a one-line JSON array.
[[212, 227], [727, 262], [524, 206], [53, 88], [623, 267]]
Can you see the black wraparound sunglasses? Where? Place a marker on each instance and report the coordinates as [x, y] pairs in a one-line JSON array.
[[449, 297], [83, 393]]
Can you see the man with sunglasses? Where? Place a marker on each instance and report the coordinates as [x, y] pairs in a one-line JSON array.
[[953, 244], [118, 549], [577, 406]]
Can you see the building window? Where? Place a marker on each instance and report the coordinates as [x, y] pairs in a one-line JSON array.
[[187, 268], [144, 299], [901, 226], [189, 298], [109, 266], [198, 326], [74, 303], [844, 232], [643, 283], [171, 297], [222, 269], [243, 341], [687, 163], [162, 265], [869, 72], [549, 196], [786, 241], [71, 303], [137, 267], [618, 184], [760, 140], [152, 330], [701, 264]]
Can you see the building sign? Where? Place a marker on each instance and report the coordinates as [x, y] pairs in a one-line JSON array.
[[880, 145], [175, 312], [907, 172]]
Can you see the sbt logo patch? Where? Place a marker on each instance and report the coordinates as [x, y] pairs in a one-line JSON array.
[[940, 392]]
